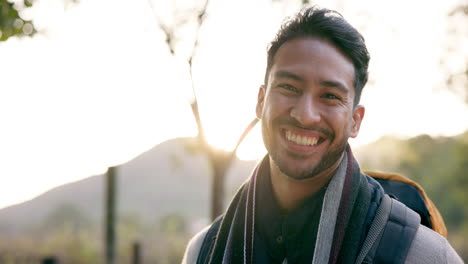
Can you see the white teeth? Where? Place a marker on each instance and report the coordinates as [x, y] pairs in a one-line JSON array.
[[314, 141], [305, 141]]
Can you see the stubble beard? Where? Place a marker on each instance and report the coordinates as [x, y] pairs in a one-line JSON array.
[[329, 159]]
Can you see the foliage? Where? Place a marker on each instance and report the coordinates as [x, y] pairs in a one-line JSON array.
[[163, 242], [173, 223], [11, 22], [66, 215], [66, 244]]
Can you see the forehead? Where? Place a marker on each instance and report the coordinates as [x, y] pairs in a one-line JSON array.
[[313, 59]]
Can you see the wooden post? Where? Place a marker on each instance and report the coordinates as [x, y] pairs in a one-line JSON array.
[[110, 215], [49, 260], [136, 253], [219, 168]]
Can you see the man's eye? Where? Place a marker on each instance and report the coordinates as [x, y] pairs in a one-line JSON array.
[[331, 96], [289, 87]]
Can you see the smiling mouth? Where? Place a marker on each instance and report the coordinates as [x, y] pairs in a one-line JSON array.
[[301, 140]]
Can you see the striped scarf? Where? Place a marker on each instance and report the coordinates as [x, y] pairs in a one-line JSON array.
[[339, 234]]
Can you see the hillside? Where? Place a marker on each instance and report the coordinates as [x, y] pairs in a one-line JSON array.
[[170, 178]]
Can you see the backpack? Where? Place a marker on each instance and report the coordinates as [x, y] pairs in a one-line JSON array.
[[412, 195], [402, 209]]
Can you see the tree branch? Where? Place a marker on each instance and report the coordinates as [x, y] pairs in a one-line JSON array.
[[244, 134], [168, 33], [232, 154], [196, 113]]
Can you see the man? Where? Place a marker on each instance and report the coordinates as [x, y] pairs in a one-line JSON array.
[[307, 201]]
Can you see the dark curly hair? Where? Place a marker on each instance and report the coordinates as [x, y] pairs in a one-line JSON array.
[[331, 26]]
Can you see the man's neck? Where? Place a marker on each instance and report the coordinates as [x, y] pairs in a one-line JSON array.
[[290, 193]]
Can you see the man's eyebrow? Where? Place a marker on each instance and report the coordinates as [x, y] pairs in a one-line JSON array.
[[334, 84], [288, 75]]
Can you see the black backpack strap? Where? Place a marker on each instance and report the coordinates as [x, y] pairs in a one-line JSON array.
[[396, 236], [208, 241]]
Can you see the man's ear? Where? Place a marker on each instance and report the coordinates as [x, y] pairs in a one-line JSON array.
[[358, 115], [260, 101]]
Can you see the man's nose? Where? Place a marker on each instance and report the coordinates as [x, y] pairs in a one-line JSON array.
[[306, 111]]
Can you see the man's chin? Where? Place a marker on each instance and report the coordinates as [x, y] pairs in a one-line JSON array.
[[299, 177], [309, 169], [295, 174]]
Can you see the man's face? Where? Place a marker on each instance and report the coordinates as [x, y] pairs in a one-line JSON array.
[[307, 107]]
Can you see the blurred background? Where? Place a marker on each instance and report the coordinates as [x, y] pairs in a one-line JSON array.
[[164, 91]]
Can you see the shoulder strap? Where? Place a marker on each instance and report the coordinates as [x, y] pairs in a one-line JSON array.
[[397, 235], [208, 241], [391, 233]]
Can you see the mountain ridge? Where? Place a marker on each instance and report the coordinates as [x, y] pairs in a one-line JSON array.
[[158, 182]]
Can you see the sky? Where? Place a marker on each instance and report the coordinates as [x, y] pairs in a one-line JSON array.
[[98, 86]]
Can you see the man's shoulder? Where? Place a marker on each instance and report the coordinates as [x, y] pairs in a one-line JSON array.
[[430, 247], [194, 245], [397, 236]]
